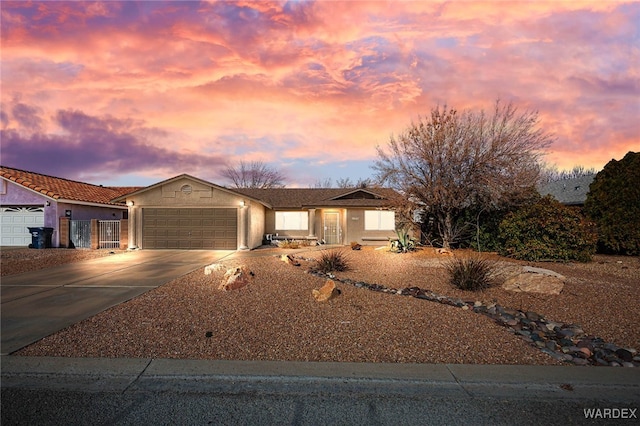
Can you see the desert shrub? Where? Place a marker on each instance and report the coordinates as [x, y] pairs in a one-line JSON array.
[[288, 244], [332, 261], [471, 273], [547, 230], [613, 203], [293, 244], [404, 243]]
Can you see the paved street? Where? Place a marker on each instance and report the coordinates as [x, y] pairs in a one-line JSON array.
[[55, 391]]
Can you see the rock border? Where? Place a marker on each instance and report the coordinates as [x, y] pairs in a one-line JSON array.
[[564, 342]]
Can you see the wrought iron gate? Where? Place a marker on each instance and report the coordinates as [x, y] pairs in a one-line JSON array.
[[109, 234], [80, 233]]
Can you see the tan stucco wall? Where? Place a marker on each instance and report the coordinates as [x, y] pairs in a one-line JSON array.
[[201, 196], [351, 224]]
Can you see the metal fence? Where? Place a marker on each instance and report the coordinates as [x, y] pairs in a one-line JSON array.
[[80, 233], [109, 234]]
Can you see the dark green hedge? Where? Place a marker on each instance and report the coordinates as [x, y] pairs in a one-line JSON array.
[[547, 230], [613, 203]]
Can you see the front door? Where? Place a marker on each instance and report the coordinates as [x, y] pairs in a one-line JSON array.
[[332, 228]]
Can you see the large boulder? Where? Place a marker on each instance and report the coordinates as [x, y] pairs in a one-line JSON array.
[[236, 278], [535, 280]]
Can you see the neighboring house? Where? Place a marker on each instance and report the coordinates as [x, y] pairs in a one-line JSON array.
[[30, 199], [570, 192], [185, 212]]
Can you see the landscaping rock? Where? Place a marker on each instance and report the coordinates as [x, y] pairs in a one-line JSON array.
[[326, 292], [214, 267], [530, 282], [288, 259], [236, 278]]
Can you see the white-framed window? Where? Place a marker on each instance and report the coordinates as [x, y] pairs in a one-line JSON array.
[[379, 220], [292, 221]]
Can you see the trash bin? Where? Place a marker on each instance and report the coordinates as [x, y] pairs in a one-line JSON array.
[[40, 237]]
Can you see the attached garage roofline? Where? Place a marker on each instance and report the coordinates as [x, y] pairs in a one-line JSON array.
[[182, 176]]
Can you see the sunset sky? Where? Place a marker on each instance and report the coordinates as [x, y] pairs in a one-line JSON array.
[[134, 92]]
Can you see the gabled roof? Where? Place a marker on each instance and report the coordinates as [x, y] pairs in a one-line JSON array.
[[571, 192], [298, 198], [138, 191], [60, 189]]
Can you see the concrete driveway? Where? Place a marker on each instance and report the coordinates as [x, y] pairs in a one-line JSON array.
[[39, 303]]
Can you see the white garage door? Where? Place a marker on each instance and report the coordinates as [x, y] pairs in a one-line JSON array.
[[14, 222]]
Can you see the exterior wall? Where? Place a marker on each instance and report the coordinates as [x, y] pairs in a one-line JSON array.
[[356, 232], [351, 227], [256, 224], [124, 234], [64, 232], [171, 194], [17, 195]]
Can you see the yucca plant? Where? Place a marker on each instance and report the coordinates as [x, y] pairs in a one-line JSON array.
[[471, 273], [332, 261]]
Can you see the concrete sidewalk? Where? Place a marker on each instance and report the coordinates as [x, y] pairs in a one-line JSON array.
[[163, 391]]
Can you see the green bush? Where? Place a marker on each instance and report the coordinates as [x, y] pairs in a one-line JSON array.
[[547, 230], [613, 203], [332, 261], [471, 273], [404, 243]]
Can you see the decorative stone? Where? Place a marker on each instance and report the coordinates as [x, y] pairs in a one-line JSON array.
[[236, 278], [534, 282], [326, 292], [214, 267], [579, 361], [624, 355], [288, 259]]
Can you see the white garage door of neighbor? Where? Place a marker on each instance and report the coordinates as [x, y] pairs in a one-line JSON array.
[[14, 222]]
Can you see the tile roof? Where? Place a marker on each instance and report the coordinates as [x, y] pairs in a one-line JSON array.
[[64, 189], [569, 191], [298, 198]]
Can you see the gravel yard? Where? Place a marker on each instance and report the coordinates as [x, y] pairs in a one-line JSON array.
[[276, 318]]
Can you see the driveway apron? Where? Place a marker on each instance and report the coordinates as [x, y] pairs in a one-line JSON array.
[[39, 303]]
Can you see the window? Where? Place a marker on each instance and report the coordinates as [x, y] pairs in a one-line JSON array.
[[292, 221], [379, 220]]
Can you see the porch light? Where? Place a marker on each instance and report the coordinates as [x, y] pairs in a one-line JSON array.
[[130, 203], [242, 203]]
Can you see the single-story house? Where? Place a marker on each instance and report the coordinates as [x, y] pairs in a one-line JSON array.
[[570, 192], [29, 199], [186, 212]]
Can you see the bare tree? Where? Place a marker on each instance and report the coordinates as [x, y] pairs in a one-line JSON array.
[[326, 183], [450, 163], [551, 173], [254, 174], [348, 183]]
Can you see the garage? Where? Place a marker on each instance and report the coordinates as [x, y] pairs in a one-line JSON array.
[[14, 223], [190, 228]]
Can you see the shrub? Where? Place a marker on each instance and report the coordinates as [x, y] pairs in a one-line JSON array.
[[471, 273], [332, 260], [613, 203], [547, 230], [293, 244], [404, 243]]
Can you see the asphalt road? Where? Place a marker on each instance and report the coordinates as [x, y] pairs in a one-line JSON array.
[[54, 391]]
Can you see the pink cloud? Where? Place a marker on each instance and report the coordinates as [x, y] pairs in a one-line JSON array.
[[316, 81]]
